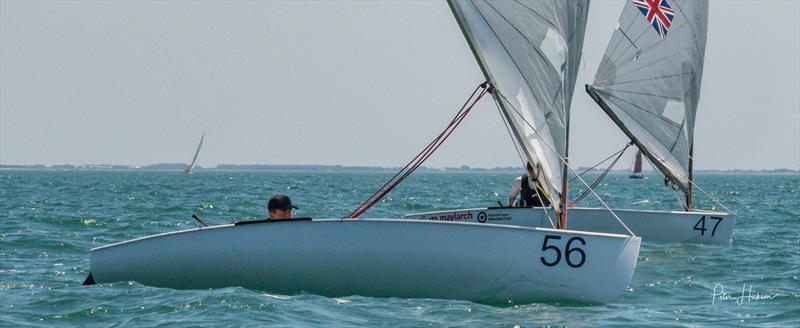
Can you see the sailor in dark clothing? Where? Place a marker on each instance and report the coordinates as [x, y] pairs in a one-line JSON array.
[[532, 194]]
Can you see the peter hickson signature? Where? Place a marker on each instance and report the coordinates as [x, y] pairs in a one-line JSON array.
[[747, 295]]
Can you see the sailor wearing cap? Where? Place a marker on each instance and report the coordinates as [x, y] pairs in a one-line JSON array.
[[280, 207]]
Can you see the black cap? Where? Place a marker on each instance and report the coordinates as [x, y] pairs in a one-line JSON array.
[[280, 202]]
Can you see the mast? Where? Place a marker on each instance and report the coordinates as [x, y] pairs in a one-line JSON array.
[[689, 187], [565, 175]]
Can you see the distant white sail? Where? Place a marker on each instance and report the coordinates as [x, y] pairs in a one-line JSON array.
[[196, 156], [649, 80], [530, 51]]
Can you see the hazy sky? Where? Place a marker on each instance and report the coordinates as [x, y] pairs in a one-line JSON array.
[[351, 83]]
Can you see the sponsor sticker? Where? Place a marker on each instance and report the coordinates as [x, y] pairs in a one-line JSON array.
[[501, 216], [452, 217]]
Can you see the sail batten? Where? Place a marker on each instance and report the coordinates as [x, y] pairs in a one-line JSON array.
[[530, 51], [649, 81]]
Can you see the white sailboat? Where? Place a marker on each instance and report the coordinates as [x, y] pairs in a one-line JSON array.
[[636, 170], [196, 157], [481, 262], [649, 84]]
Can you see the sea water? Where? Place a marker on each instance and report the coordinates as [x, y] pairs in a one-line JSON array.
[[49, 221]]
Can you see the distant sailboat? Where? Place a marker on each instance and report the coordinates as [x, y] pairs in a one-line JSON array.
[[191, 167], [636, 173]]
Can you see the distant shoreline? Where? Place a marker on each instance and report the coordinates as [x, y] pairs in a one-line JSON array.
[[319, 168]]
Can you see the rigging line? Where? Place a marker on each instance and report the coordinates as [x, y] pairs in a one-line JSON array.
[[414, 159], [678, 195], [566, 164], [536, 189], [508, 129], [418, 155], [603, 161], [408, 170], [666, 167], [709, 195], [426, 153], [598, 180], [519, 153]]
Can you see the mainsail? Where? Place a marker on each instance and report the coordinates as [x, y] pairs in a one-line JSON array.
[[649, 80], [196, 155], [530, 51]]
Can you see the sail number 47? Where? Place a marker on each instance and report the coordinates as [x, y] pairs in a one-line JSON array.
[[568, 251], [701, 225]]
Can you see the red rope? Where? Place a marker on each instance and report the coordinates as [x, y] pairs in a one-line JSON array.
[[423, 155], [412, 160]]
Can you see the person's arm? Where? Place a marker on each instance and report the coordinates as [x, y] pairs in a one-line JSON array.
[[515, 188]]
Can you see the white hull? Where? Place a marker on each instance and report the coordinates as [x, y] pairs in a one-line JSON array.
[[664, 226], [383, 258]]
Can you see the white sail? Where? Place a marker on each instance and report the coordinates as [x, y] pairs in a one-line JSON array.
[[196, 156], [649, 80], [530, 52]]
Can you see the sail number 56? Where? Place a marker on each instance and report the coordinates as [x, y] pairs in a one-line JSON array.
[[568, 251]]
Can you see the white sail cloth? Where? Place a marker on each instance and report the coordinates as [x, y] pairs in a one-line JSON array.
[[196, 154], [530, 51], [651, 83]]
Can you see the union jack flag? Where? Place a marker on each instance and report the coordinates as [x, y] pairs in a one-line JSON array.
[[658, 13]]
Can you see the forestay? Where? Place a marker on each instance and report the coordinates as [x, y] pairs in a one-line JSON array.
[[649, 80], [530, 51]]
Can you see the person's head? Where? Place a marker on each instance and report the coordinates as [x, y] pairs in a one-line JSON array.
[[280, 207]]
